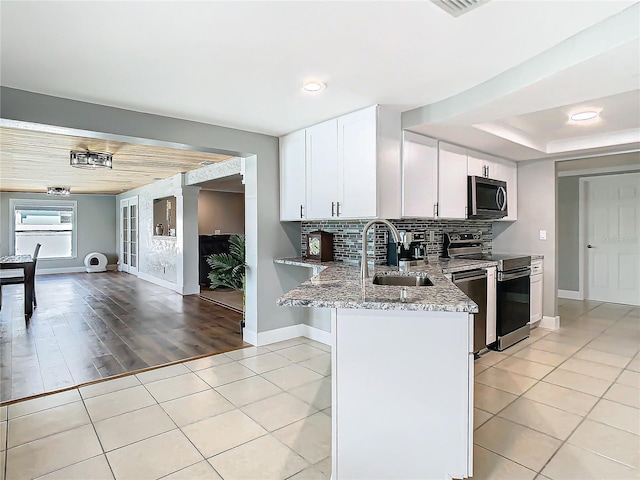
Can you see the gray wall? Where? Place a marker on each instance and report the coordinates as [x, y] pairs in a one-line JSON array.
[[222, 211], [268, 238], [536, 211], [568, 231], [96, 227]]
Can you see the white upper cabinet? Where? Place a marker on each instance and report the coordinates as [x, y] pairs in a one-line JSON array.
[[293, 176], [322, 170], [419, 176], [352, 166], [357, 172], [476, 167], [452, 181]]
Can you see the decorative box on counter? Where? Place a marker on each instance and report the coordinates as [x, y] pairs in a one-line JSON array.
[[320, 246]]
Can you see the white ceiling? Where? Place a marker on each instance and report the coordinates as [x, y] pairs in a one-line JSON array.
[[532, 122], [241, 64]]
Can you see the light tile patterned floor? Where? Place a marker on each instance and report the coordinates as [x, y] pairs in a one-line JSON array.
[[559, 405]]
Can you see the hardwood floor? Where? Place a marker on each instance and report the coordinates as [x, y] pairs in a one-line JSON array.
[[92, 326]]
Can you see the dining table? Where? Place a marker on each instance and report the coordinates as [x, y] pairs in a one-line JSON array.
[[25, 262]]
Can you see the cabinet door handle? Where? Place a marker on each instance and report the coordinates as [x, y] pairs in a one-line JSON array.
[[589, 246], [301, 211], [435, 210], [466, 212], [333, 209], [337, 209]]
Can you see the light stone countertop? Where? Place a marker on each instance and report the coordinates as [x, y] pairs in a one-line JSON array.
[[339, 285]]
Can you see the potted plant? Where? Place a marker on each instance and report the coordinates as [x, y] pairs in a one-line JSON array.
[[228, 269]]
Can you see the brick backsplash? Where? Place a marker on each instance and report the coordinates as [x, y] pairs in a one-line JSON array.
[[347, 235]]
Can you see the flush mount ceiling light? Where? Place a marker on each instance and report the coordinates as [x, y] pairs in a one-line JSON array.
[[58, 190], [88, 159], [314, 86], [583, 116]]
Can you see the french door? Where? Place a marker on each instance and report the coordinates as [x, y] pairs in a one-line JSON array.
[[129, 235]]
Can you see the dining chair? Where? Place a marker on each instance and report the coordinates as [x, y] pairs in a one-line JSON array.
[[13, 277]]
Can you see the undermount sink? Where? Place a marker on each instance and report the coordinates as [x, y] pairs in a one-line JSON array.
[[402, 280]]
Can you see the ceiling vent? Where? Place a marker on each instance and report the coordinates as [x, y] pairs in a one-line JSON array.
[[458, 7]]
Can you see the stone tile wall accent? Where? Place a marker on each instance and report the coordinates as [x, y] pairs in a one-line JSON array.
[[347, 235]]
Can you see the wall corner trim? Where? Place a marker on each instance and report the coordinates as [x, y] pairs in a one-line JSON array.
[[550, 323], [570, 294]]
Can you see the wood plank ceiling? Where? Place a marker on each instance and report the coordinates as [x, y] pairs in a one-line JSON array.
[[32, 161]]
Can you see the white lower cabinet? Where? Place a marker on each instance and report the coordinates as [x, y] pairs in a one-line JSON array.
[[491, 305], [536, 290], [409, 413]]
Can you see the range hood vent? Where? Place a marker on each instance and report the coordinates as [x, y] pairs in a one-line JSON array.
[[458, 7]]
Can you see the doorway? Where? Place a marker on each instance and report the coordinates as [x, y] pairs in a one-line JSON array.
[[221, 215], [612, 238]]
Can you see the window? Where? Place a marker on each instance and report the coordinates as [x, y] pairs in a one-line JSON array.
[[51, 223]]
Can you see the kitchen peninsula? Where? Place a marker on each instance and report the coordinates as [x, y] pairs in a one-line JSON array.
[[402, 371]]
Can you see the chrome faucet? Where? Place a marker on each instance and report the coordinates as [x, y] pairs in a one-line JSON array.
[[364, 267]]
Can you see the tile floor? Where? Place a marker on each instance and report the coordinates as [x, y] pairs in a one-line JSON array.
[[560, 405]]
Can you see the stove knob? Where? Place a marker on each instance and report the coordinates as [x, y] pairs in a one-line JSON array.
[[455, 237]]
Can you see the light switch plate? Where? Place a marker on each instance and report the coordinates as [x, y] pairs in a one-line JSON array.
[[543, 234]]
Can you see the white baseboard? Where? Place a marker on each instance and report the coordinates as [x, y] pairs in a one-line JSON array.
[[159, 281], [550, 323], [286, 333], [250, 336], [51, 271], [191, 290], [112, 267], [570, 294], [317, 334]]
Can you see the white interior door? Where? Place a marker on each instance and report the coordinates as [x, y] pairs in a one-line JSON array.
[[613, 238]]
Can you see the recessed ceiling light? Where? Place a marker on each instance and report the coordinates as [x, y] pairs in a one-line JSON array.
[[314, 86], [582, 116]]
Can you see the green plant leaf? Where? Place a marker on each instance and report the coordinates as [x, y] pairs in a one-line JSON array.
[[228, 269]]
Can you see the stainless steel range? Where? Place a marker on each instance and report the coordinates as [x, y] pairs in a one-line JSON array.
[[512, 289]]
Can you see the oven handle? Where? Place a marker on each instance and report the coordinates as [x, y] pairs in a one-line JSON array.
[[460, 277], [505, 276]]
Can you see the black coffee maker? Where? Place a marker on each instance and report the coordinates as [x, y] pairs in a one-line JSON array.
[[412, 247]]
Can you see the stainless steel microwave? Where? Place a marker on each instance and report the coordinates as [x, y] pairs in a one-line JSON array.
[[487, 198]]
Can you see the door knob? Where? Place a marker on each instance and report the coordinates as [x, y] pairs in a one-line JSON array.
[[589, 246]]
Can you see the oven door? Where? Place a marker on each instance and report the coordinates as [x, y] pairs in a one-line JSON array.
[[487, 198], [513, 306]]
